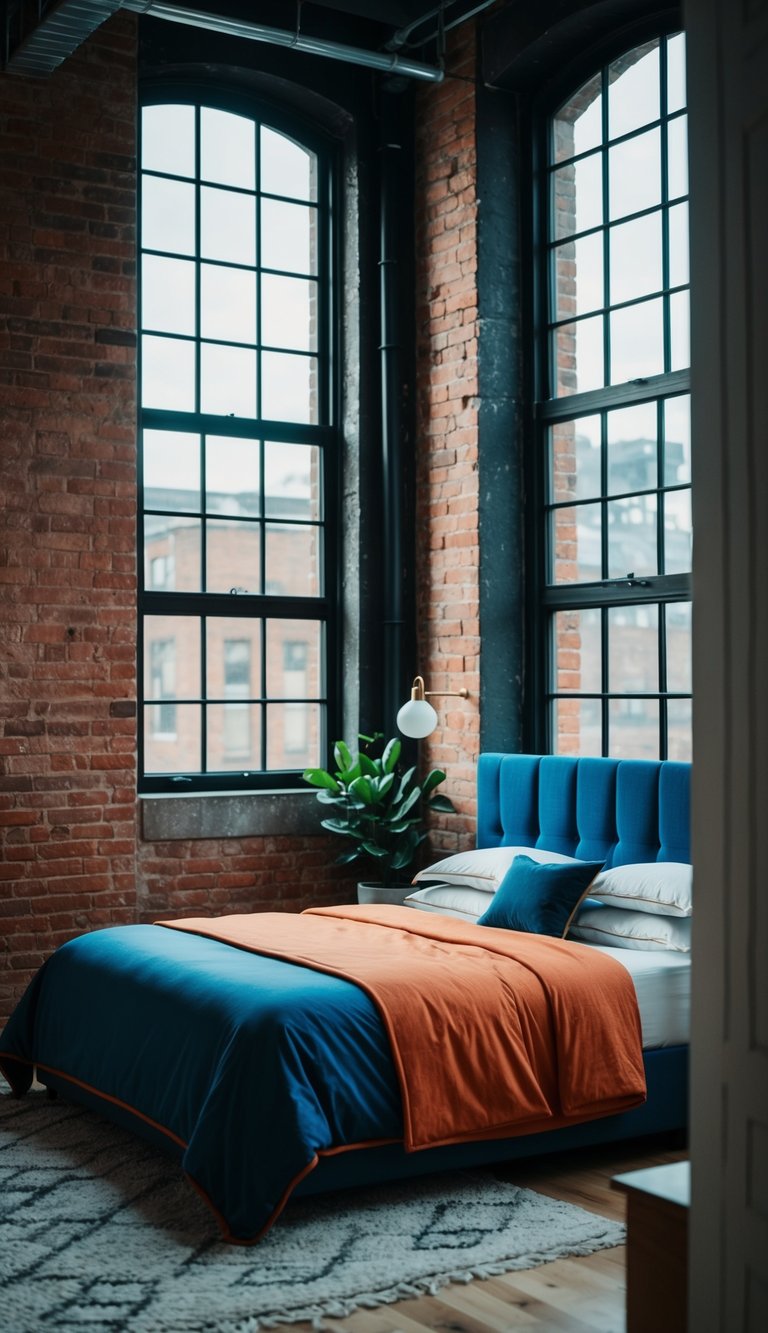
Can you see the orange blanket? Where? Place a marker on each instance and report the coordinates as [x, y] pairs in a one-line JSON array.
[[493, 1032]]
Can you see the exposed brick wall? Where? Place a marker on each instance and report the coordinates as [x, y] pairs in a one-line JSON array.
[[67, 551], [71, 857], [447, 477]]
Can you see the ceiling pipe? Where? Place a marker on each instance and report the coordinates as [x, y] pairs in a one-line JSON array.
[[317, 46]]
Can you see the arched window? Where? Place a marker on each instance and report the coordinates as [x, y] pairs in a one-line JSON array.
[[238, 448], [613, 411]]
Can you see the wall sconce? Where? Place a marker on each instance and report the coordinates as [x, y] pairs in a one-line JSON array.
[[417, 718]]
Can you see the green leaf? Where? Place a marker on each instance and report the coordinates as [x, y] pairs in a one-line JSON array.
[[373, 850], [384, 785], [391, 754], [368, 767], [335, 826], [362, 790], [432, 780], [404, 784], [347, 857], [342, 756], [328, 798], [443, 804], [318, 777], [408, 803]]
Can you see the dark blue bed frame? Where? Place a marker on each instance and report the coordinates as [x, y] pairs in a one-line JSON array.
[[619, 811]]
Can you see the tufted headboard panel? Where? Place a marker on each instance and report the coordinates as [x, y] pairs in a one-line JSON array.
[[617, 810]]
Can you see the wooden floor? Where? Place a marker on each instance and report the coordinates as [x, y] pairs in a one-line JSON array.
[[583, 1295]]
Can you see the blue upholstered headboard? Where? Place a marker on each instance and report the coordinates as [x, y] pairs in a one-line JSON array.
[[617, 810]]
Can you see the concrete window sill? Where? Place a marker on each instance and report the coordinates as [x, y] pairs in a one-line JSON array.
[[229, 815]]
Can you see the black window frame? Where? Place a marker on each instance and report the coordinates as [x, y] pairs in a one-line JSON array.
[[326, 434], [546, 598]]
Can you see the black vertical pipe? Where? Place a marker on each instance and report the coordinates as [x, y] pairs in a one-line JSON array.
[[393, 573]]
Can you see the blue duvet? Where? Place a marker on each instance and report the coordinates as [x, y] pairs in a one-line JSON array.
[[246, 1066]]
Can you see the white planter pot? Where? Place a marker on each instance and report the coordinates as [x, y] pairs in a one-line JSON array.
[[369, 894]]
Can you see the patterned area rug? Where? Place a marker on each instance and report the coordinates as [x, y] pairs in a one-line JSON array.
[[99, 1232]]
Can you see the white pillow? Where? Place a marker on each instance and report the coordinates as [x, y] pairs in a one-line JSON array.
[[483, 869], [451, 900], [631, 930], [663, 887]]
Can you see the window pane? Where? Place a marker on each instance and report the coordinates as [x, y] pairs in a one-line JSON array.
[[578, 350], [292, 481], [293, 735], [634, 170], [579, 276], [172, 553], [227, 226], [233, 737], [168, 139], [636, 268], [227, 303], [577, 196], [228, 380], [633, 91], [288, 237], [677, 532], [577, 554], [232, 476], [677, 437], [176, 752], [289, 387], [168, 374], [227, 148], [293, 561], [679, 647], [679, 318], [293, 659], [575, 459], [637, 341], [632, 452], [167, 215], [577, 651], [633, 728], [577, 726], [233, 557], [633, 649], [233, 657], [679, 269], [677, 147], [286, 167], [632, 540], [171, 461], [578, 125], [168, 295], [679, 730], [171, 657], [289, 313], [676, 94]]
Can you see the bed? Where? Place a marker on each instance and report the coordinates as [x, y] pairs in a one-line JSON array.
[[267, 1077]]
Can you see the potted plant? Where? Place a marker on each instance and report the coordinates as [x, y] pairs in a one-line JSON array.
[[378, 810]]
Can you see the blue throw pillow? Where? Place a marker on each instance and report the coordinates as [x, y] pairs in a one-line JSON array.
[[540, 898]]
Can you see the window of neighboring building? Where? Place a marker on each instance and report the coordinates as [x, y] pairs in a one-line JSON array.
[[614, 411], [238, 444]]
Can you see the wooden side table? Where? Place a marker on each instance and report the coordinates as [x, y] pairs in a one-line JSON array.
[[658, 1199]]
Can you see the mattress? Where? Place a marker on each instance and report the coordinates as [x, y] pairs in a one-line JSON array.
[[663, 985]]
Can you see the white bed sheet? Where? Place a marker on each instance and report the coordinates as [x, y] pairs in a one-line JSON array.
[[663, 984]]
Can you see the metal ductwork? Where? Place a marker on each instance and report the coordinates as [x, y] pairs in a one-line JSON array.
[[385, 61], [46, 34], [58, 31]]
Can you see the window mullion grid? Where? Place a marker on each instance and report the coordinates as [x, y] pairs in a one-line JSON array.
[[606, 230], [605, 703], [263, 704], [663, 711]]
